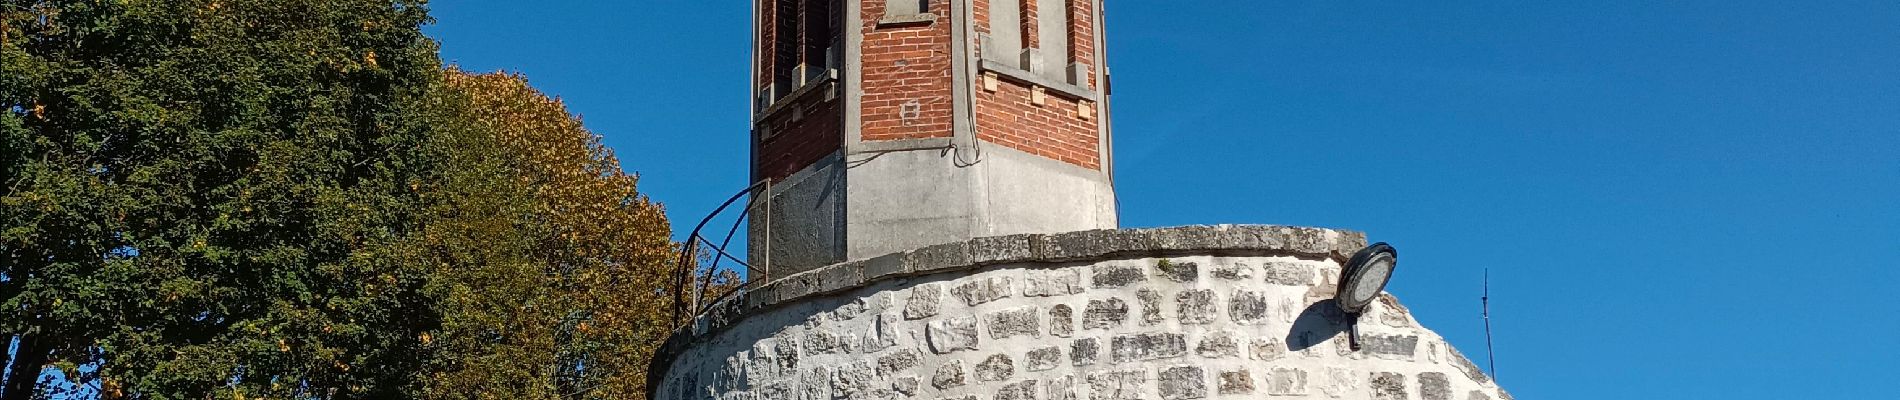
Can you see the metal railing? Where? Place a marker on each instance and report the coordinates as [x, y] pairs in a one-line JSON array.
[[695, 278]]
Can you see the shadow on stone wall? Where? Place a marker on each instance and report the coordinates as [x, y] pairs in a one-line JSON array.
[[1321, 321]]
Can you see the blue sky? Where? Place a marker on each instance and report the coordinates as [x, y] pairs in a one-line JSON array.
[[1676, 199]]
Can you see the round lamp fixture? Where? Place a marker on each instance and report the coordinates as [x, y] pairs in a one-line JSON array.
[[1365, 276]]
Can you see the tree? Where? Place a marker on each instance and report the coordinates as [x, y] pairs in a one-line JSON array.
[[553, 260], [215, 196]]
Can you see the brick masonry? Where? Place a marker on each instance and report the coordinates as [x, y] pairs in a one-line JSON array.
[[934, 331]]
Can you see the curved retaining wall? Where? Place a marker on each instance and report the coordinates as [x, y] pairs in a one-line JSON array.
[[1175, 313]]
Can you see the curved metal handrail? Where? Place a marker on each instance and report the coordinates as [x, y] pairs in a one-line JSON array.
[[689, 254]]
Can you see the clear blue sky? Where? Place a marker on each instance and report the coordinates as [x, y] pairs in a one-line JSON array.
[[1676, 199]]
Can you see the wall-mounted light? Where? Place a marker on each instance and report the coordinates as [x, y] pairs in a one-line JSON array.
[[1360, 283]]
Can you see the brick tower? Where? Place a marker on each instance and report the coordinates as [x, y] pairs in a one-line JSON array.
[[888, 125]]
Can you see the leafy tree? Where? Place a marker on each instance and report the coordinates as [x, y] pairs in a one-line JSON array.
[[554, 262], [214, 197]]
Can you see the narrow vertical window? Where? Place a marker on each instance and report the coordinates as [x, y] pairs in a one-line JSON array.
[[1052, 37], [785, 37], [1006, 32]]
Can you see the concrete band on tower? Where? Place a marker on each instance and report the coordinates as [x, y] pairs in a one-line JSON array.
[[1169, 313]]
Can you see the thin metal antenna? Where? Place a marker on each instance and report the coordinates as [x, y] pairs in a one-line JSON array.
[[1489, 354]]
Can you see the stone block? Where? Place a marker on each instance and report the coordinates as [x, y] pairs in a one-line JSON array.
[[1025, 390], [1390, 347], [1084, 352], [883, 334], [1434, 386], [852, 381], [1464, 364], [925, 299], [949, 375], [1043, 359], [1236, 382], [815, 384], [1061, 388], [1477, 395], [1061, 321], [1339, 381], [1266, 349], [1002, 249], [1105, 314], [1179, 272], [937, 258], [998, 367], [1249, 307], [824, 341], [1234, 272], [1387, 386], [1290, 273], [1185, 382], [1219, 344], [898, 361], [983, 290], [1196, 307], [1118, 385], [1117, 276], [1050, 283], [1148, 347], [1150, 306], [1021, 321], [786, 351], [951, 334], [1286, 382], [888, 265], [906, 385], [840, 277]]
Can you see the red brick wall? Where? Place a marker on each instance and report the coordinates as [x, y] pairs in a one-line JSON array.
[[796, 145], [1051, 130], [906, 63], [1082, 37]]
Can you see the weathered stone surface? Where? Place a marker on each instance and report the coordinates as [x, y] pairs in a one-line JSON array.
[[1084, 352], [883, 333], [1020, 321], [1179, 272], [1477, 395], [1339, 382], [1061, 388], [996, 368], [1117, 385], [1105, 314], [815, 384], [1060, 282], [1266, 349], [1464, 364], [983, 291], [898, 361], [1290, 274], [1248, 307], [1115, 276], [852, 381], [924, 301], [1150, 306], [1061, 321], [1025, 390], [964, 397], [1003, 248], [906, 385], [1434, 386], [785, 351], [1218, 345], [1286, 382], [1388, 386], [1196, 307], [1238, 381], [1043, 359], [949, 375], [1183, 383], [1148, 346], [1390, 347], [951, 334], [1234, 272]]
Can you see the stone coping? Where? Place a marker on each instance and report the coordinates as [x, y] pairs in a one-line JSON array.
[[1080, 246]]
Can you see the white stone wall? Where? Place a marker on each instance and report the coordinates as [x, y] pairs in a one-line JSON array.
[[1152, 328]]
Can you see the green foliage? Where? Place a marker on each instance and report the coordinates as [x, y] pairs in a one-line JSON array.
[[213, 197]]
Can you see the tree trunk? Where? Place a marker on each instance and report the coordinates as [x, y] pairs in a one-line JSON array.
[[23, 376]]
